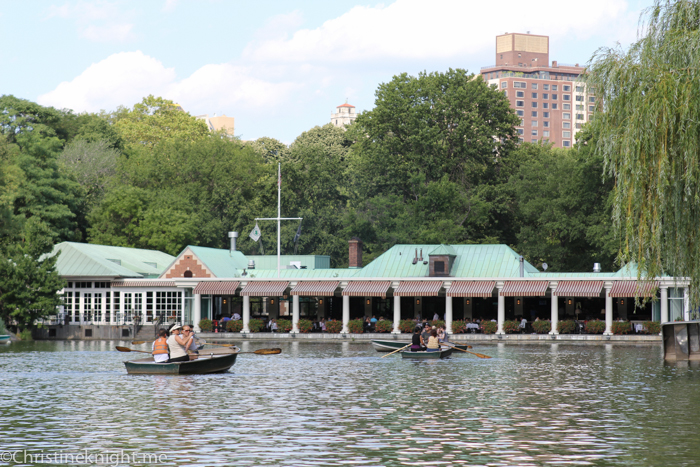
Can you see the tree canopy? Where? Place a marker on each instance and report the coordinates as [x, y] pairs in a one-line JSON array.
[[649, 136]]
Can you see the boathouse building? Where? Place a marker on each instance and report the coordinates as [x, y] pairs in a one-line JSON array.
[[114, 291]]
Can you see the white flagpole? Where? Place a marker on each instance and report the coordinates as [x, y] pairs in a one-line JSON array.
[[279, 214]]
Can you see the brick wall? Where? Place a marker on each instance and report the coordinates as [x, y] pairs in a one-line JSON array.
[[355, 252], [187, 263]]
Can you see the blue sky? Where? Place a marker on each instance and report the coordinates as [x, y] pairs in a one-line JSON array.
[[278, 67]]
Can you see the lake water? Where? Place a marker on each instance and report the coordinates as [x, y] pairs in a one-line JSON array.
[[319, 404]]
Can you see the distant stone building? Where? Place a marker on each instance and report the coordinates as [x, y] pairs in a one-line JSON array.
[[218, 123], [345, 114]]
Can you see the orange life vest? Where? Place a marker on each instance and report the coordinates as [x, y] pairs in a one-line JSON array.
[[160, 346]]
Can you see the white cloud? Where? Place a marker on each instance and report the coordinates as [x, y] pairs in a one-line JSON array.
[[125, 78], [169, 6], [414, 29], [99, 21]]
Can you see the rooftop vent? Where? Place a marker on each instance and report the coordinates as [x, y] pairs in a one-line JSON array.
[[596, 267], [251, 264]]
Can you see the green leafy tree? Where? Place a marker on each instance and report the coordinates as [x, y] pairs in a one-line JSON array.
[[155, 119], [29, 281], [270, 149], [649, 140], [20, 116]]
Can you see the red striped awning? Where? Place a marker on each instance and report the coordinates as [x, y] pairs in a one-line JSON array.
[[471, 289], [367, 289], [143, 284], [634, 289], [579, 289], [216, 288], [315, 288], [524, 289], [264, 289], [418, 289]]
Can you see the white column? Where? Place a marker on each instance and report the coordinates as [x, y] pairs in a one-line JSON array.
[[246, 314], [448, 315], [295, 314], [103, 315], [664, 304], [686, 303], [397, 315], [346, 314], [81, 308], [501, 309], [554, 308], [197, 312], [608, 311]]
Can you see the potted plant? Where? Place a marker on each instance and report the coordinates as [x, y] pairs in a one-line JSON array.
[[543, 326], [566, 326], [511, 326], [621, 327], [595, 327], [407, 325], [489, 327], [651, 327], [255, 325], [234, 325], [437, 323], [205, 325], [306, 325], [459, 327], [356, 326], [284, 325], [383, 326], [334, 327]]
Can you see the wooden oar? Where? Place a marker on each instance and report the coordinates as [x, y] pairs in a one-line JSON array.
[[265, 351], [127, 349], [222, 345], [480, 355], [137, 342], [397, 350]]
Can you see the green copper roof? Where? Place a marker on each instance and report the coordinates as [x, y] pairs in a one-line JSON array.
[[88, 260], [310, 261], [470, 261], [444, 250], [306, 274]]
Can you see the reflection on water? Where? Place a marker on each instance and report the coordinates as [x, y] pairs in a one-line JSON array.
[[341, 404]]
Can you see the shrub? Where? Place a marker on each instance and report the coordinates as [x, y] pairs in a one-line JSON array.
[[511, 327], [256, 325], [652, 327], [384, 326], [356, 326], [489, 327], [620, 327], [596, 327], [566, 326], [305, 325], [542, 326], [234, 325], [437, 323], [284, 325], [25, 335], [407, 325], [459, 327], [206, 325], [334, 327]]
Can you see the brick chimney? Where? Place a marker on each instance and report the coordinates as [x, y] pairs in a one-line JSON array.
[[355, 252]]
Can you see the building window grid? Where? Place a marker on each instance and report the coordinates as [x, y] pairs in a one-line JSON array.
[[87, 307], [534, 95], [98, 308], [533, 123], [168, 304], [566, 144], [520, 94]]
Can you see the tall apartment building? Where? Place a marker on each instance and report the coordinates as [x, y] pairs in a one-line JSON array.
[[551, 101]]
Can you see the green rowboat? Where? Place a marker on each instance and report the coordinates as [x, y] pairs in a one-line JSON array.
[[4, 339], [390, 346], [206, 363], [443, 352]]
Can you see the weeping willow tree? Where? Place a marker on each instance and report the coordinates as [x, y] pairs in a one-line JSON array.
[[649, 127]]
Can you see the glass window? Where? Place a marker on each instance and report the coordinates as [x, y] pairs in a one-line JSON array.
[[579, 107], [505, 93], [545, 87], [520, 84], [545, 133], [566, 134], [566, 106], [554, 97], [566, 97], [579, 88], [566, 144], [545, 124], [534, 85], [521, 131], [579, 117], [545, 114], [533, 132], [520, 113], [534, 105], [591, 108], [534, 95], [566, 116], [533, 140], [504, 84], [554, 106], [534, 113], [545, 96], [519, 103], [533, 123], [591, 99], [519, 94], [521, 140], [579, 98], [579, 126], [522, 122], [566, 88], [566, 125], [545, 105], [554, 87]]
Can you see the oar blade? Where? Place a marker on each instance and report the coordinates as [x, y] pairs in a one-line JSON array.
[[123, 349], [138, 342], [268, 351]]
